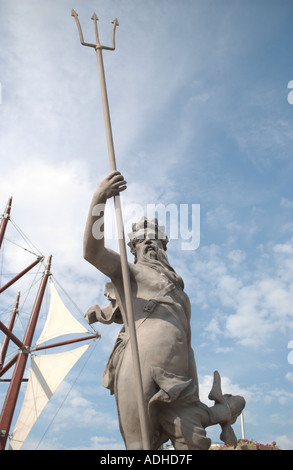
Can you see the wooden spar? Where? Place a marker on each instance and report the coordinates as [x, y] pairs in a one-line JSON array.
[[10, 328], [13, 391], [119, 221], [9, 380], [8, 365], [70, 341], [10, 335], [5, 219], [22, 273]]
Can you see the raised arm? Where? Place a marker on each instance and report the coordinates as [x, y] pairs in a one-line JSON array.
[[94, 250]]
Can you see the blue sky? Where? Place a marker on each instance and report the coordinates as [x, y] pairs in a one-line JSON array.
[[198, 92]]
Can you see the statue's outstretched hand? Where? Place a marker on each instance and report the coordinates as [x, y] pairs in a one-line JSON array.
[[112, 185]]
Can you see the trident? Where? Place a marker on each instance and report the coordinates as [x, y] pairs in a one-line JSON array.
[[119, 221]]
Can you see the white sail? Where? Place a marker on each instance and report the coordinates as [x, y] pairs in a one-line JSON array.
[[59, 320], [46, 374]]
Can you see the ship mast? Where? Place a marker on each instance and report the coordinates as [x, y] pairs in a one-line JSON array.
[[21, 360], [25, 346], [4, 220]]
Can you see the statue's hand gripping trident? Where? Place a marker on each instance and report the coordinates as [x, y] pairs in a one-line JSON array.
[[129, 319]]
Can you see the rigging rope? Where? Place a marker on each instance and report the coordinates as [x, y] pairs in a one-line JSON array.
[[32, 249], [27, 240], [22, 247]]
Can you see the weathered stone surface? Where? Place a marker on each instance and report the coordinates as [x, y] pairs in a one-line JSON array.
[[162, 321]]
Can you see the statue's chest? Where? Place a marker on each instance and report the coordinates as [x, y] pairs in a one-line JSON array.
[[151, 283]]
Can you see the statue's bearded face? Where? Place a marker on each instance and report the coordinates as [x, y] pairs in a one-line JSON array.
[[151, 251], [148, 247]]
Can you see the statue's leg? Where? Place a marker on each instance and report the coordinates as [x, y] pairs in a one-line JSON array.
[[127, 407], [126, 398]]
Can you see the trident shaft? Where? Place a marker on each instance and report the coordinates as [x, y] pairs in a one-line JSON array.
[[119, 221]]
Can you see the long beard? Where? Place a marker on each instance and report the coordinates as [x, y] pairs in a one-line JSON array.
[[162, 265]]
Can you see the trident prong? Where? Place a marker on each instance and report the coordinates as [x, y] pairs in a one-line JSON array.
[[98, 45], [75, 15], [96, 19]]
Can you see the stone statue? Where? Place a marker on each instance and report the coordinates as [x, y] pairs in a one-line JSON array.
[[162, 320]]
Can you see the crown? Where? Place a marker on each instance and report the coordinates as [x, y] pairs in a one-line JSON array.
[[146, 227]]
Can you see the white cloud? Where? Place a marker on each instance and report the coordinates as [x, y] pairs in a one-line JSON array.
[[284, 247], [282, 396], [286, 202], [50, 204], [289, 376], [261, 309], [285, 442], [238, 256], [213, 328], [102, 443], [248, 303]]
